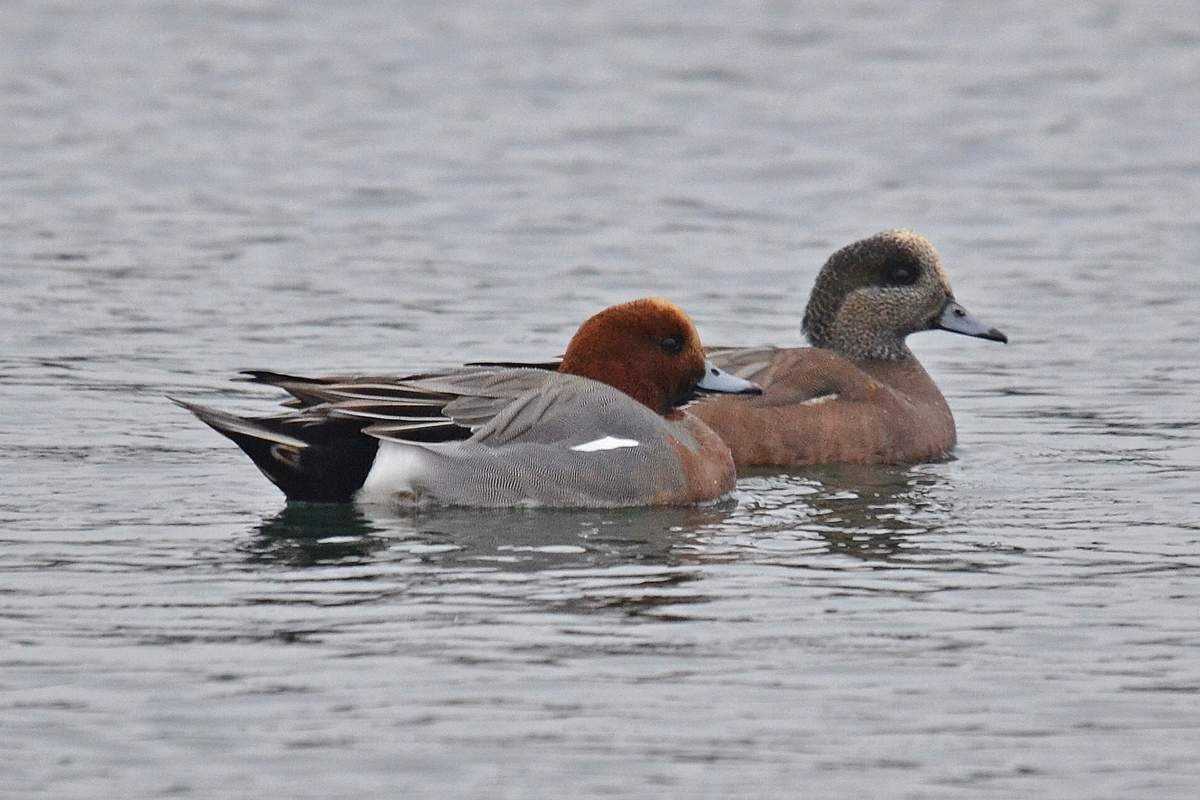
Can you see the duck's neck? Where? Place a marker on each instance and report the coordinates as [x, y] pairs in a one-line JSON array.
[[864, 345]]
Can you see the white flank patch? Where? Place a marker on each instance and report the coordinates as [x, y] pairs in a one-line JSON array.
[[816, 401], [395, 469], [605, 443]]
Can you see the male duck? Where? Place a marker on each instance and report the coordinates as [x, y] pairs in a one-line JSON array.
[[858, 395], [604, 430]]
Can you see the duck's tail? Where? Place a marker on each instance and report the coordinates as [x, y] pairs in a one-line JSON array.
[[319, 460]]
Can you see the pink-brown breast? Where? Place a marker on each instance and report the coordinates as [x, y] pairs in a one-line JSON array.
[[884, 412], [706, 461]]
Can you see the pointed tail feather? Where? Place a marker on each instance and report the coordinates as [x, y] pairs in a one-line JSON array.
[[275, 378], [300, 388], [326, 462]]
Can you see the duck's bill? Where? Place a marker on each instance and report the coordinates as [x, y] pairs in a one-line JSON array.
[[956, 319], [718, 381]]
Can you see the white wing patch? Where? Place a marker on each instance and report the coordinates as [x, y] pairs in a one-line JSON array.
[[816, 401], [605, 443]]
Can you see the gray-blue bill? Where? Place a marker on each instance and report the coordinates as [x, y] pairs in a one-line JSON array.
[[956, 319]]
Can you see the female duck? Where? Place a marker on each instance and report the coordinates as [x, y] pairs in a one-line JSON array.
[[858, 395], [606, 429]]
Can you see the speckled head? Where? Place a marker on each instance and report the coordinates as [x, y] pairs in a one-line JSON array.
[[650, 350], [872, 294]]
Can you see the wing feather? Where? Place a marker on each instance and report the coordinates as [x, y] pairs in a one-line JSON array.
[[426, 407], [745, 362]]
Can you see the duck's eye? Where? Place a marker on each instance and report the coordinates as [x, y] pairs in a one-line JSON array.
[[901, 271], [672, 345]]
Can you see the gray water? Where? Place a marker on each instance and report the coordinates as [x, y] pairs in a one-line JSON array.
[[191, 189]]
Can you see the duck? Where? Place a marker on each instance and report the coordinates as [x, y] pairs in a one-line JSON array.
[[606, 427], [858, 395]]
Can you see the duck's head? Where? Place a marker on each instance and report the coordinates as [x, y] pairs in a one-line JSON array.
[[650, 350], [872, 294]]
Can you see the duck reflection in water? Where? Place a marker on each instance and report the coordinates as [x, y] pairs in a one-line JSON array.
[[634, 561], [315, 534], [870, 512], [522, 540]]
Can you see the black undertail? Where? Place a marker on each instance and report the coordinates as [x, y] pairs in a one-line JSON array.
[[326, 461]]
